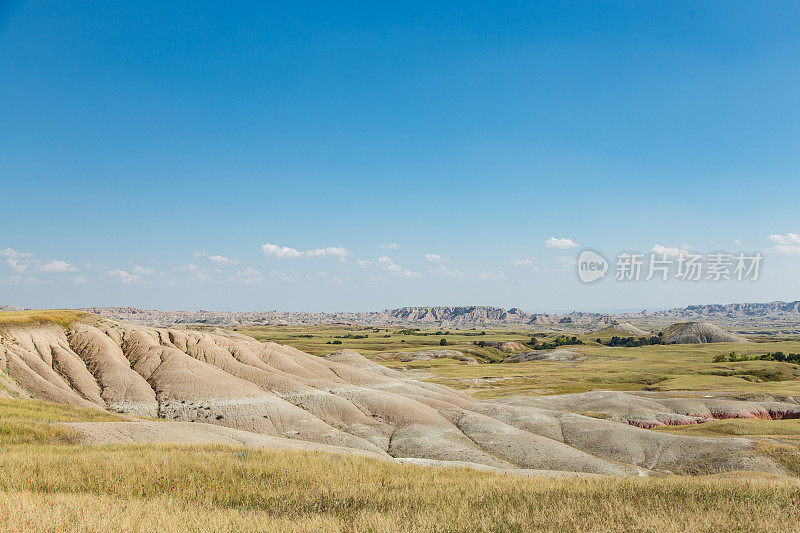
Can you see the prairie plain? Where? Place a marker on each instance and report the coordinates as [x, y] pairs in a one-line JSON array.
[[685, 367]]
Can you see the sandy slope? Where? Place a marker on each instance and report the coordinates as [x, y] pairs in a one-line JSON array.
[[646, 409], [699, 332], [257, 393], [624, 329]]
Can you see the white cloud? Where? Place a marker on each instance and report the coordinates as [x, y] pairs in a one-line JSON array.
[[21, 279], [186, 268], [284, 252], [296, 276], [249, 276], [284, 277], [395, 270], [196, 272], [436, 258], [441, 270], [142, 271], [17, 266], [672, 252], [786, 249], [565, 262], [390, 245], [26, 262], [491, 275], [56, 266], [121, 275], [788, 244], [528, 261], [221, 260], [560, 242], [134, 273], [78, 279], [737, 242], [10, 252], [389, 268], [217, 259], [792, 239]]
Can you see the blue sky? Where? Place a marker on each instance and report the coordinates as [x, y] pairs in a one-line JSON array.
[[144, 143]]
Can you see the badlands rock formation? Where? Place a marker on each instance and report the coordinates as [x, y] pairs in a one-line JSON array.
[[461, 317], [245, 391], [698, 333], [624, 329], [559, 354], [477, 316], [776, 309], [426, 355], [648, 410]]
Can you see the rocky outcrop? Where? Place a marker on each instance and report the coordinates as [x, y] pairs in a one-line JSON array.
[[698, 333], [425, 355], [462, 317], [624, 329]]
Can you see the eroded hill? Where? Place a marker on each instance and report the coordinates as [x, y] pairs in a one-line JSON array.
[[251, 391]]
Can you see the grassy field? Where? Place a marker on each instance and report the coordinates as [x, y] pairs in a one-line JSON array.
[[664, 368], [686, 367], [322, 339], [34, 422], [50, 485]]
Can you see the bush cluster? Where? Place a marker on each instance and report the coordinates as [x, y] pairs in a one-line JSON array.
[[561, 340], [781, 357], [632, 342]]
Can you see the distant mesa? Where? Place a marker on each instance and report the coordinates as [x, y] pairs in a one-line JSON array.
[[777, 309], [462, 317], [473, 316]]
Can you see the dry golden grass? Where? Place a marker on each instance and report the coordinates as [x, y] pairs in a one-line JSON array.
[[32, 421], [737, 427], [787, 455], [51, 486], [776, 438], [63, 317], [217, 488]]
